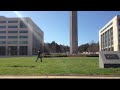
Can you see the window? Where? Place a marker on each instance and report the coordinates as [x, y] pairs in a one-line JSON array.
[[23, 50], [119, 22], [2, 42], [12, 31], [2, 50], [13, 21], [12, 42], [2, 37], [1, 32], [111, 30], [23, 31], [111, 38], [107, 27], [23, 37], [112, 48], [2, 21], [12, 26], [2, 26], [23, 42], [108, 43], [111, 42], [12, 37], [23, 25], [12, 50]]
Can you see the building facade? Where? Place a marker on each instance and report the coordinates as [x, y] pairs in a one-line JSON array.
[[19, 36], [109, 35]]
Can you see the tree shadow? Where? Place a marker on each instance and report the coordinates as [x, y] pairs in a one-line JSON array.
[[22, 66]]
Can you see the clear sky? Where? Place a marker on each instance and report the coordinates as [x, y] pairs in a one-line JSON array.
[[56, 24]]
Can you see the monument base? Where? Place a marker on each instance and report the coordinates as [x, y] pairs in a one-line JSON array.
[[109, 59], [111, 65]]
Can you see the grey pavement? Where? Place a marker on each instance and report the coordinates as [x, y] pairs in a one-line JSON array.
[[57, 77]]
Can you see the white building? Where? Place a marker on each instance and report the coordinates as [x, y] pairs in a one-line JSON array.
[[109, 35], [19, 36]]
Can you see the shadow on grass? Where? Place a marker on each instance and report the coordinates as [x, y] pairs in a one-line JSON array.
[[22, 66]]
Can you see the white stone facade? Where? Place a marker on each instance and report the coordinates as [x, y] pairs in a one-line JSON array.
[[109, 35], [20, 36]]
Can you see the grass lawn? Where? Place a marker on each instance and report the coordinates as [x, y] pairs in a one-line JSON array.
[[55, 66]]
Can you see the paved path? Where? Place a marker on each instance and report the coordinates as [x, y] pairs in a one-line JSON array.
[[56, 77]]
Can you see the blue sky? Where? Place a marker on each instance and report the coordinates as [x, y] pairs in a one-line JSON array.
[[56, 24]]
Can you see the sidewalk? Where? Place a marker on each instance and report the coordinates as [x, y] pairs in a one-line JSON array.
[[56, 77]]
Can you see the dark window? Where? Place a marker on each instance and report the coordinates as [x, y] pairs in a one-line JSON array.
[[2, 21], [24, 31], [111, 42], [2, 26], [119, 22], [12, 50], [13, 21], [2, 50], [23, 25], [12, 26], [12, 42], [23, 42], [23, 36], [12, 31], [111, 38], [23, 50], [12, 37], [112, 48], [2, 42], [2, 32], [2, 37]]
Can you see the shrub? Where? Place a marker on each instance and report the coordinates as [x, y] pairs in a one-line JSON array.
[[55, 55]]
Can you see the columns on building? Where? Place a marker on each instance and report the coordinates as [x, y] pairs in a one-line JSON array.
[[18, 50], [29, 50], [6, 50]]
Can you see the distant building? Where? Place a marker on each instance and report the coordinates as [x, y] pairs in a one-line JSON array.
[[109, 35], [19, 36]]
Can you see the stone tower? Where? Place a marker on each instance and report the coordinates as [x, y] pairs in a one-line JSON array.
[[73, 33]]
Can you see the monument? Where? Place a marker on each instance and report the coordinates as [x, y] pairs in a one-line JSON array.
[[109, 59], [73, 33]]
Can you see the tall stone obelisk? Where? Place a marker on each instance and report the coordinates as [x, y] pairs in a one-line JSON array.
[[73, 33]]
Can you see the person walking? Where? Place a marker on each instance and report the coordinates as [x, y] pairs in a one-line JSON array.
[[39, 53]]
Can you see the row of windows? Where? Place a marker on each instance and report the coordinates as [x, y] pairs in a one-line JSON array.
[[106, 44], [108, 49], [14, 42], [22, 25], [1, 32], [13, 37], [107, 26], [9, 21], [12, 26], [108, 32]]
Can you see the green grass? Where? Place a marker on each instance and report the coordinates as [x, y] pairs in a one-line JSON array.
[[55, 66]]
